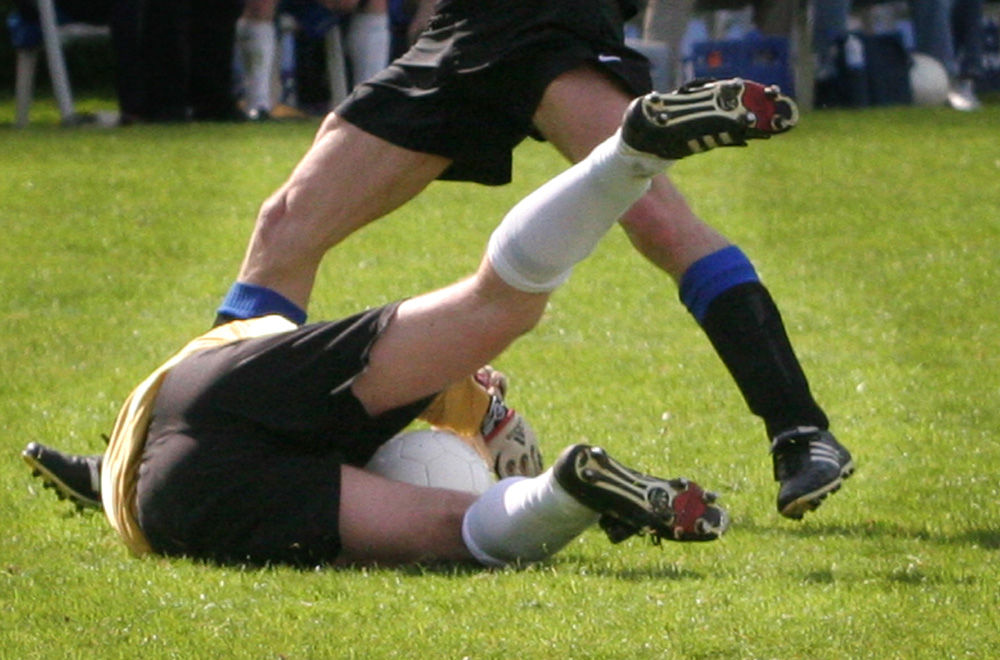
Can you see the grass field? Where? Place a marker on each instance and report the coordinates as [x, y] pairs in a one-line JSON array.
[[878, 233]]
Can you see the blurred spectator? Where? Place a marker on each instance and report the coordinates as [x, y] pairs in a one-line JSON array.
[[256, 51], [407, 19], [967, 41], [366, 41], [948, 30], [175, 59]]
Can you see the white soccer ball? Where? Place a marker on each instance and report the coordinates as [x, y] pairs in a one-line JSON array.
[[928, 80], [432, 457]]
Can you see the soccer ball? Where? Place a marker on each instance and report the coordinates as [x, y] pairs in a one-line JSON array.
[[928, 80], [432, 457]]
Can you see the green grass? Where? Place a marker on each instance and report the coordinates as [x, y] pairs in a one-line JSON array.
[[878, 233]]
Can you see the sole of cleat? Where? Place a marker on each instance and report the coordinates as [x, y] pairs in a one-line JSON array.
[[52, 482], [677, 516]]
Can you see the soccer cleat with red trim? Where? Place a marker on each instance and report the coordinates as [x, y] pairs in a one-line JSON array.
[[633, 503], [705, 114]]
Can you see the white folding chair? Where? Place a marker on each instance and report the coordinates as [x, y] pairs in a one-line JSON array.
[[54, 36]]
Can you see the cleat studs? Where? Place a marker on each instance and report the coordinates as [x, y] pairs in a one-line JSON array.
[[680, 484]]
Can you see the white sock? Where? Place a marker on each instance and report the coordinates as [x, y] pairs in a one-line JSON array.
[[367, 45], [558, 225], [258, 46], [522, 520]]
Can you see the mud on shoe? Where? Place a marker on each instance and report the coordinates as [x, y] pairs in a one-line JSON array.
[[810, 465], [633, 503], [73, 478], [705, 114]]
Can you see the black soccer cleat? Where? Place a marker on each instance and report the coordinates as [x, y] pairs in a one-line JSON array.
[[810, 464], [632, 503], [705, 114], [73, 478]]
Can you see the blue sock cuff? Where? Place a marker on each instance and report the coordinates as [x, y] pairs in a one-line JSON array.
[[248, 301], [712, 275]]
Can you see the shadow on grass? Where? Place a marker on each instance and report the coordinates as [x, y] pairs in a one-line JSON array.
[[988, 539], [642, 573], [646, 573]]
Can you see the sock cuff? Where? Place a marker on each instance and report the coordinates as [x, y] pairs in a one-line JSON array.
[[711, 276], [473, 523], [247, 301], [503, 253]]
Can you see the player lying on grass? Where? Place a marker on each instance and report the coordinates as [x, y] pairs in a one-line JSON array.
[[251, 439]]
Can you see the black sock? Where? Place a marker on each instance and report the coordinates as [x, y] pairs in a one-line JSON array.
[[746, 329]]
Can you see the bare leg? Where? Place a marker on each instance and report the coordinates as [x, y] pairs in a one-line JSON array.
[[440, 337], [390, 522], [321, 204], [516, 520]]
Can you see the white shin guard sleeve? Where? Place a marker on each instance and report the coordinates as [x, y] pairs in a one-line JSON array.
[[523, 520], [558, 225]]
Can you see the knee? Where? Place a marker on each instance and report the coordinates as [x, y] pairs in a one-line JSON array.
[[510, 313], [281, 235]]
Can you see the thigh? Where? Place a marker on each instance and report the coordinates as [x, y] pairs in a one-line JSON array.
[[390, 522], [581, 109]]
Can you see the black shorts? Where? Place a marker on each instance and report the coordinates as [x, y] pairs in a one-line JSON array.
[[243, 457], [468, 89]]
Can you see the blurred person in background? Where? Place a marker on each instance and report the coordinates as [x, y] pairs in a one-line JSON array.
[[366, 42], [950, 31]]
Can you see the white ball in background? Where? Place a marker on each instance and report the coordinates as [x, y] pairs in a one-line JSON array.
[[928, 80]]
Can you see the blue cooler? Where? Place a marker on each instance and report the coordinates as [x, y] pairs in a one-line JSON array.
[[764, 59]]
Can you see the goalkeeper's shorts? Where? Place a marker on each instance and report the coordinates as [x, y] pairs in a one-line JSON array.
[[243, 457]]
